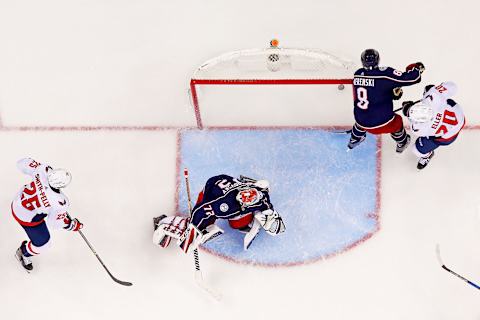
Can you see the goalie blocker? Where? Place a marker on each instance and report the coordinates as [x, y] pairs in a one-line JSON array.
[[244, 202]]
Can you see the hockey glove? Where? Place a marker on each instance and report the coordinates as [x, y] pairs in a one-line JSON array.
[[406, 105], [270, 221], [72, 225], [397, 93], [418, 65], [451, 102]]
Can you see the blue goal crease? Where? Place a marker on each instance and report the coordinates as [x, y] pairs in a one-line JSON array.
[[325, 195]]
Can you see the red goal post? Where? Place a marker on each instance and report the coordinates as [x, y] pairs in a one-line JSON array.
[[270, 66]]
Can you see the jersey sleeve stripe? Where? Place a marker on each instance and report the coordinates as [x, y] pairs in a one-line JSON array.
[[25, 223]]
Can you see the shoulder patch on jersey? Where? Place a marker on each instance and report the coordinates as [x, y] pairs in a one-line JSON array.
[[224, 207], [382, 68]]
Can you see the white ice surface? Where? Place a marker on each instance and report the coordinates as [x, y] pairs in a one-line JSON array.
[[128, 63]]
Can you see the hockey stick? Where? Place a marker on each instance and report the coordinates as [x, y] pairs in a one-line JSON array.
[[452, 272], [198, 273], [350, 130], [123, 283]]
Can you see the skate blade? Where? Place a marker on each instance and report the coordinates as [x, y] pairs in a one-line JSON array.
[[16, 258]]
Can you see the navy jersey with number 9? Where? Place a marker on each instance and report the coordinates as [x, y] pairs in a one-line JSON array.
[[373, 93]]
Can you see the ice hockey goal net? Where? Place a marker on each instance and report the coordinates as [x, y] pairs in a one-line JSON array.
[[272, 66]]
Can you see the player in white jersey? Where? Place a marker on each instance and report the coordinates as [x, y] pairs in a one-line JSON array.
[[41, 206], [436, 120]]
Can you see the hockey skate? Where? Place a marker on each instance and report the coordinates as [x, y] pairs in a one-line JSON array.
[[25, 261], [422, 162], [156, 221], [353, 143], [402, 146]]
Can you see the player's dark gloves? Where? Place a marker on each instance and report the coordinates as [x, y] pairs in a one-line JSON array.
[[406, 105], [451, 102], [421, 67], [397, 93]]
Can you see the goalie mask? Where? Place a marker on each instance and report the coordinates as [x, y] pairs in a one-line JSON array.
[[249, 196], [420, 113]]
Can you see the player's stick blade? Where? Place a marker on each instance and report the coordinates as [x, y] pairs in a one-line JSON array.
[[123, 283], [341, 131], [439, 257]]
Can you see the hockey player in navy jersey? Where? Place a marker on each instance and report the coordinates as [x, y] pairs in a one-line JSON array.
[[374, 90], [244, 202]]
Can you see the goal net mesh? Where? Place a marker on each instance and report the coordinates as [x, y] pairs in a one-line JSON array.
[[269, 67]]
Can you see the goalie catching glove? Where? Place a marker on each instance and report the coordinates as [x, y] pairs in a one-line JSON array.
[[270, 221]]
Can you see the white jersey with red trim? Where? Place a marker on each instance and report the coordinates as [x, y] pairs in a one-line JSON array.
[[448, 117], [37, 201]]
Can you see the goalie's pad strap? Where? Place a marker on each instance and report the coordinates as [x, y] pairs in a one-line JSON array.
[[193, 237], [212, 231], [169, 227], [190, 239]]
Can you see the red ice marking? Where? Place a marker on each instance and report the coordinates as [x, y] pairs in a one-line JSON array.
[[322, 127], [90, 128], [470, 127], [373, 215]]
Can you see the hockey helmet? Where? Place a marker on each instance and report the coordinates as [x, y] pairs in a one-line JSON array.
[[420, 113], [59, 178], [427, 88], [370, 58]]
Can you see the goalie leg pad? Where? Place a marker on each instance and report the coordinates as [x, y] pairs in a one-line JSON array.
[[168, 228], [192, 238], [212, 231]]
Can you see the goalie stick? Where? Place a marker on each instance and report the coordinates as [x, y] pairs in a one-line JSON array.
[[453, 272], [198, 273], [350, 130]]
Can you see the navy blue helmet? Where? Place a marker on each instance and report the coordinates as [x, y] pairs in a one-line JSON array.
[[370, 58]]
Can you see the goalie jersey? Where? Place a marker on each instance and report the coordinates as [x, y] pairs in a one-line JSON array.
[[373, 94], [229, 198]]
